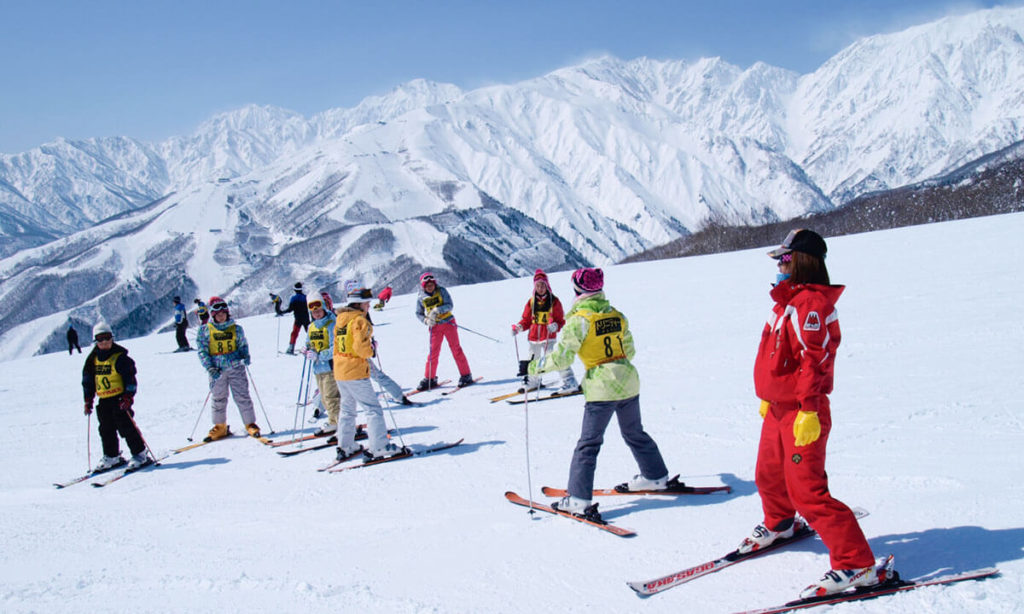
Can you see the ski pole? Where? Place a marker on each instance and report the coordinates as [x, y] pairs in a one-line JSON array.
[[526, 415], [526, 420], [262, 408], [298, 397], [201, 412], [88, 439], [144, 442], [470, 330], [387, 404], [305, 400]]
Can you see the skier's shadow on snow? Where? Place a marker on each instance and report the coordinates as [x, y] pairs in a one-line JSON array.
[[949, 549], [412, 430], [470, 448], [189, 464]]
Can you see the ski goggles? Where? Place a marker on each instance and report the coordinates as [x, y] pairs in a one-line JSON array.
[[362, 293], [318, 304], [104, 337], [219, 307]]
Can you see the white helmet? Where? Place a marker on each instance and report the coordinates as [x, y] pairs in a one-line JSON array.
[[100, 328]]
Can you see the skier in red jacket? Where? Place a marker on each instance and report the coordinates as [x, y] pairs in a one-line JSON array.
[[793, 377], [543, 318], [383, 298]]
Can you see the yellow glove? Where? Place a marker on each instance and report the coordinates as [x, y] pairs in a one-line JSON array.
[[806, 428], [763, 409]]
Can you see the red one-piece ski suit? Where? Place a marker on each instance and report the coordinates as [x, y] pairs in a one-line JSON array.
[[793, 372]]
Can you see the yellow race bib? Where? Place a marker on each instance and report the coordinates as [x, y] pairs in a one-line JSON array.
[[108, 381]]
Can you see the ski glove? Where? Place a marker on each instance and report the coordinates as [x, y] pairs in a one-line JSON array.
[[126, 402], [88, 407], [214, 373], [763, 409], [516, 330], [430, 318], [553, 327], [806, 428]]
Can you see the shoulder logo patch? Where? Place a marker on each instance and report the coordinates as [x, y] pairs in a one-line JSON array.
[[813, 321]]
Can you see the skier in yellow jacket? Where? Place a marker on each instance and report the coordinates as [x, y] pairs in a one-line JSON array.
[[353, 347]]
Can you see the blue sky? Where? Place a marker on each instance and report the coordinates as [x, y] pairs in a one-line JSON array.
[[152, 69]]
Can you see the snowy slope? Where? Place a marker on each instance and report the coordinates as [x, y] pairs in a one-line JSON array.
[[927, 437]]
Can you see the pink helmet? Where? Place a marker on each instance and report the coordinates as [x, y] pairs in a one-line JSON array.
[[426, 277], [588, 281]]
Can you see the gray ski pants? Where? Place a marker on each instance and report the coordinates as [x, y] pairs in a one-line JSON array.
[[354, 393], [235, 380], [596, 416]]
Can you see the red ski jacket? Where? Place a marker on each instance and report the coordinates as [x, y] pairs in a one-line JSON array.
[[538, 314], [796, 358]]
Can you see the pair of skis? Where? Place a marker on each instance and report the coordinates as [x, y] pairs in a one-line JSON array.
[[891, 585], [336, 466], [127, 472]]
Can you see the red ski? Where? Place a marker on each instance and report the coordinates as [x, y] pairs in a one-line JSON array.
[[599, 523]]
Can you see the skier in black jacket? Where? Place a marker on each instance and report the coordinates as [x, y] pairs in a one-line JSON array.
[[296, 306], [110, 374]]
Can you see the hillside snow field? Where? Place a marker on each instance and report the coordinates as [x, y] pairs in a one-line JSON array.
[[928, 433]]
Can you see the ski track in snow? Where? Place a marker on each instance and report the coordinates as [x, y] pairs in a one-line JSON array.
[[927, 436]]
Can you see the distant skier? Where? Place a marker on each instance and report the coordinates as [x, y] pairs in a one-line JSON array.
[[353, 347], [73, 339], [180, 325], [224, 353], [793, 377], [383, 298], [202, 311], [543, 318], [434, 308], [110, 375], [319, 350], [600, 334], [297, 307]]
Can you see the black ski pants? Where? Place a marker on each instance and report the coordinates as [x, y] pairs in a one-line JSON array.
[[114, 421]]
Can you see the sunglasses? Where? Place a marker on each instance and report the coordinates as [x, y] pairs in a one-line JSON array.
[[785, 258], [104, 337]]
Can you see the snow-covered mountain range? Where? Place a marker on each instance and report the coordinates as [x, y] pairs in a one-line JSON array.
[[590, 163]]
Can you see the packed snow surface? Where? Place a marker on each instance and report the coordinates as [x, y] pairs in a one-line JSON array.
[[927, 436]]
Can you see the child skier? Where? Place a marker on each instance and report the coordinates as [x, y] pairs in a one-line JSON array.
[[600, 335], [224, 353], [320, 350], [202, 311], [353, 347], [434, 308], [180, 325], [110, 374], [543, 318], [383, 298]]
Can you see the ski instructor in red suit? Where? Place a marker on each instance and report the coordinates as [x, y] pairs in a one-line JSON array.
[[793, 377]]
